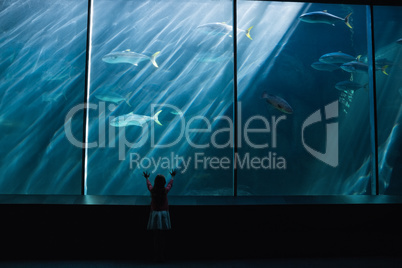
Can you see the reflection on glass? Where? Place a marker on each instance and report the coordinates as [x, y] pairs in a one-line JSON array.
[[42, 70], [162, 94], [304, 100], [388, 49]]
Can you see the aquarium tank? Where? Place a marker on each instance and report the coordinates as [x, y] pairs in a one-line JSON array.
[[241, 98]]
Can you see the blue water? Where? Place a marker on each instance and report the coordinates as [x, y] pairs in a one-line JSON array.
[[43, 72]]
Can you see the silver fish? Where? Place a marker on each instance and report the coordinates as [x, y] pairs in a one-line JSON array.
[[355, 67], [360, 67], [221, 28], [324, 17], [383, 65], [337, 57], [128, 56], [112, 97], [132, 119], [322, 66]]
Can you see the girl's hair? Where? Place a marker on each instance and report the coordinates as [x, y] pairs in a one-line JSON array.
[[160, 182], [158, 192]]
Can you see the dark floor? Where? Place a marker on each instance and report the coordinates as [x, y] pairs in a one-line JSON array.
[[366, 262], [339, 234]]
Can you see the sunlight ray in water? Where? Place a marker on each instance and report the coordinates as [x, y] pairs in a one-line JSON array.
[[281, 20], [42, 79]]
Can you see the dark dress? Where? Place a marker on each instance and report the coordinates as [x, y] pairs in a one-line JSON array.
[[159, 218]]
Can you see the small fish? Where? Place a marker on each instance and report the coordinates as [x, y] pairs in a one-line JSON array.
[[383, 65], [383, 62], [349, 86], [346, 98], [177, 113], [324, 17], [278, 103], [112, 97], [221, 28], [399, 41], [322, 66], [132, 119], [128, 56], [337, 57], [9, 123]]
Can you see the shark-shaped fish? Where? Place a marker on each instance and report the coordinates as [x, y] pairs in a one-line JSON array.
[[128, 56], [132, 119]]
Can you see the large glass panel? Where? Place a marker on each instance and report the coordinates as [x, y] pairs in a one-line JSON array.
[[42, 70], [304, 99], [388, 56], [161, 96]]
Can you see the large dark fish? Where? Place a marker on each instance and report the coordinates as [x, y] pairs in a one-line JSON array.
[[277, 102], [337, 57], [361, 67], [322, 66], [324, 17], [355, 67]]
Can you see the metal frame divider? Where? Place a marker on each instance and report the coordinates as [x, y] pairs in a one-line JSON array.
[[235, 114], [372, 100], [86, 100]]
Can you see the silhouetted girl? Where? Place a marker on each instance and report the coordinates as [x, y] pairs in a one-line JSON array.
[[159, 218]]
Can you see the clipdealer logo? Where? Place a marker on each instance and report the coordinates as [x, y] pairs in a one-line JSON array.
[[330, 156], [269, 161]]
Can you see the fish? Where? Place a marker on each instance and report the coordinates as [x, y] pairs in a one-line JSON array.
[[346, 98], [112, 97], [399, 41], [355, 67], [177, 113], [132, 119], [337, 57], [52, 75], [383, 62], [324, 17], [7, 123], [221, 28], [349, 86], [128, 56], [360, 67], [322, 66], [277, 102], [60, 72], [383, 65]]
